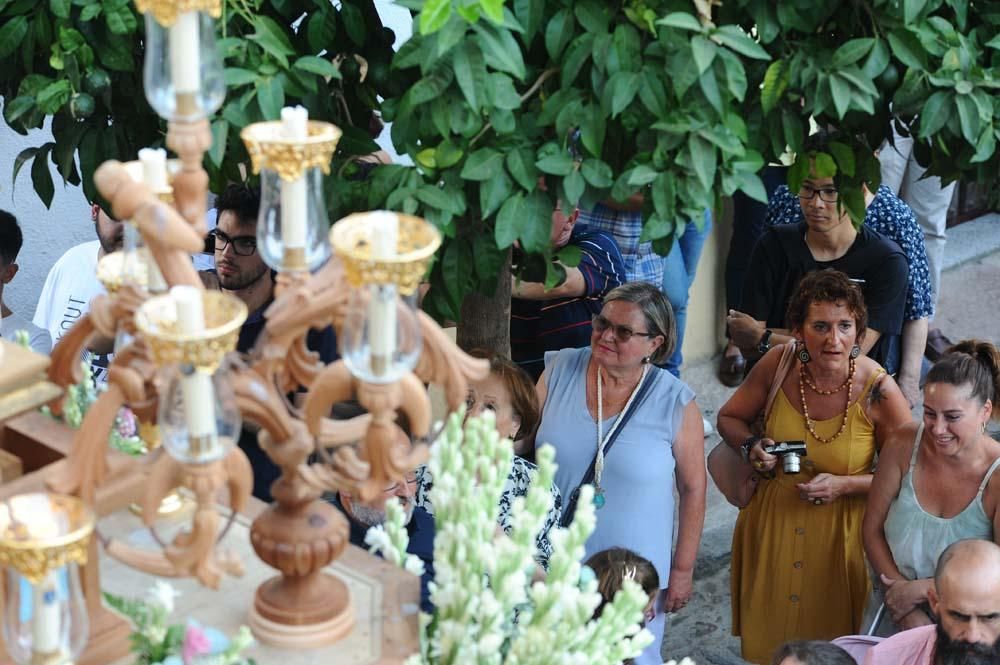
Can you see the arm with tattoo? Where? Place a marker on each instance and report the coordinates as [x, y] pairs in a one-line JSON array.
[[886, 407]]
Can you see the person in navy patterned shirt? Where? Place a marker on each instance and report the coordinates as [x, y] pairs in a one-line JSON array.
[[890, 216], [548, 320]]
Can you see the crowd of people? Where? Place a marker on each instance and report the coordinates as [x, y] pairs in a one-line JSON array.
[[838, 534]]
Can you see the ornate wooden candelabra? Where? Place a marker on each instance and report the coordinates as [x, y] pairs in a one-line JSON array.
[[391, 352]]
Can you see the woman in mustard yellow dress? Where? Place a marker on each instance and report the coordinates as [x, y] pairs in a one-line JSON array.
[[798, 567]]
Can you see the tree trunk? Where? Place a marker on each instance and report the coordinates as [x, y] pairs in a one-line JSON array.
[[485, 322]]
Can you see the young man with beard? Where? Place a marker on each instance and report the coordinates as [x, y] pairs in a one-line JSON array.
[[241, 271], [966, 600], [419, 525], [72, 283], [239, 267]]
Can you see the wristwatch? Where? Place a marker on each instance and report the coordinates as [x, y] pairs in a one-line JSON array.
[[764, 345], [747, 445]]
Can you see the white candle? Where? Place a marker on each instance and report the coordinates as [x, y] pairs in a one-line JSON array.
[[199, 394], [295, 127], [154, 174], [382, 308], [46, 616], [154, 168], [185, 65]]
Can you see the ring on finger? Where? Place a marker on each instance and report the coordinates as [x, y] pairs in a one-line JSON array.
[[817, 501]]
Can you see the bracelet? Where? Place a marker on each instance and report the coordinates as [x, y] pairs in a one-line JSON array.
[[747, 444]]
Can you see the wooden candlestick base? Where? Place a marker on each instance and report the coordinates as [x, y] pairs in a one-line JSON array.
[[303, 607], [285, 633]]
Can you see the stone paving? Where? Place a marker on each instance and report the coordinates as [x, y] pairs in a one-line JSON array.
[[968, 308]]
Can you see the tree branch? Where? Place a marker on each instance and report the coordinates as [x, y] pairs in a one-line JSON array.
[[544, 76]]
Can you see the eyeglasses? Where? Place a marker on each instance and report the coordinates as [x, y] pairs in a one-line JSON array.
[[242, 245], [622, 333], [828, 194]]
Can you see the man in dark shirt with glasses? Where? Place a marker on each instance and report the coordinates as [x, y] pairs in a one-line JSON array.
[[241, 271], [826, 238], [239, 268]]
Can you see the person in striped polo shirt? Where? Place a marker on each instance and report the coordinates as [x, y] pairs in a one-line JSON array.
[[548, 320]]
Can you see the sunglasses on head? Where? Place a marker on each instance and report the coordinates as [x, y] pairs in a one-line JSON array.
[[622, 333]]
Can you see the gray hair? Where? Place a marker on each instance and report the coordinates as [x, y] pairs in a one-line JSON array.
[[655, 309]]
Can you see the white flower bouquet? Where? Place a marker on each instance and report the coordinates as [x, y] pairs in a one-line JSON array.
[[487, 610]]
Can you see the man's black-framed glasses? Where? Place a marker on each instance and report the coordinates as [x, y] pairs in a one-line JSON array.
[[622, 333], [242, 245], [827, 194]]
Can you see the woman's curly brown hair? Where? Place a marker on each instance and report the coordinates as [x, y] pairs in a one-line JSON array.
[[831, 286]]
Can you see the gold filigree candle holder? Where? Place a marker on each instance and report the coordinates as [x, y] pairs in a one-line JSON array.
[[292, 223], [117, 269], [166, 11], [34, 544], [156, 320], [417, 240], [269, 149], [43, 539], [385, 256]]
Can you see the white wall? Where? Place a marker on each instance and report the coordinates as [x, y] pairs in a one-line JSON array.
[[398, 19], [47, 232]]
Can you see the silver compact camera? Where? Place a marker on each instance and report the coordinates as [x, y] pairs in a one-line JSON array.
[[791, 454]]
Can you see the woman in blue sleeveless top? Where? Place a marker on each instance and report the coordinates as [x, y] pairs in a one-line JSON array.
[[658, 444]]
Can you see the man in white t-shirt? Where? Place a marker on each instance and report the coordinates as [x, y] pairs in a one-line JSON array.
[[72, 283], [11, 240]]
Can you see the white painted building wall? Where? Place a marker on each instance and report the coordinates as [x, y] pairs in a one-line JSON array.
[[50, 232], [47, 232]]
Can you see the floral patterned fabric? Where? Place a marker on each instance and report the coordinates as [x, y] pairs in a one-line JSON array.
[[518, 481], [891, 217]]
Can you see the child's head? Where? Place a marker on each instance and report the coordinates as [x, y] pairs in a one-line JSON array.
[[615, 565]]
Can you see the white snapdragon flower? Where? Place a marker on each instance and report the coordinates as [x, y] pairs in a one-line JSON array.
[[414, 565], [162, 594], [486, 613], [377, 539]]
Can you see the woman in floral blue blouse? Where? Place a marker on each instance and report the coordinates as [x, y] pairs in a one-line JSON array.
[[510, 394]]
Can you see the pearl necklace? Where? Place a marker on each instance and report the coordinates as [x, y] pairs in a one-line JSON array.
[[601, 439], [805, 408]]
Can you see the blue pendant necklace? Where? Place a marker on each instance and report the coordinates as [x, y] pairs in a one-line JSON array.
[[602, 440]]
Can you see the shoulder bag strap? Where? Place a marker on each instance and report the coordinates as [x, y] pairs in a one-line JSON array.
[[784, 364], [588, 477]]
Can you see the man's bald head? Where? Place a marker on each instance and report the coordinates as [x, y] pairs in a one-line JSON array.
[[966, 556]]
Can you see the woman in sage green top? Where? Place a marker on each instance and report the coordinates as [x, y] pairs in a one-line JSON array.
[[935, 485]]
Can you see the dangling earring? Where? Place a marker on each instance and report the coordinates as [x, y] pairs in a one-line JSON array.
[[984, 427], [855, 351], [645, 360], [803, 354]]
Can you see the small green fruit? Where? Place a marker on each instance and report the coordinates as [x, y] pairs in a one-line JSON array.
[[96, 82], [81, 105]]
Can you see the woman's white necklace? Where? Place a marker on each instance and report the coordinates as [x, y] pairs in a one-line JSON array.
[[599, 499]]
